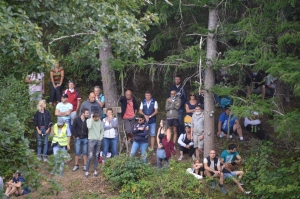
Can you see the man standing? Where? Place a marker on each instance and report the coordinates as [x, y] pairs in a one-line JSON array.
[[91, 105], [213, 168], [181, 93], [36, 86], [198, 130], [80, 132], [100, 98], [173, 104], [73, 98], [64, 109], [227, 121], [129, 108], [95, 137], [149, 108]]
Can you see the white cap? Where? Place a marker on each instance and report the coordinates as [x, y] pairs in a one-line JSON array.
[[255, 113]]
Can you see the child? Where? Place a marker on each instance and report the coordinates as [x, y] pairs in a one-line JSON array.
[[197, 169]]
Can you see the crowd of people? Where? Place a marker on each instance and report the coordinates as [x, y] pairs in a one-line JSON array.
[[93, 128]]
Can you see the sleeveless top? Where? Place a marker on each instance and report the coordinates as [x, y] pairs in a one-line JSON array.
[[191, 107], [57, 75], [161, 136]]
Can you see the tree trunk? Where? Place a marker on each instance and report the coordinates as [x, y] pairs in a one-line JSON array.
[[108, 76], [209, 82]]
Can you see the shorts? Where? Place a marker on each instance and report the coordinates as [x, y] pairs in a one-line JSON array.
[[152, 128], [229, 175], [230, 131], [128, 124], [81, 144], [256, 90], [198, 143], [189, 151], [173, 122]]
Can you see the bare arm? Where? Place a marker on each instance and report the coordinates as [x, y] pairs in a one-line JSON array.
[[52, 79], [62, 72], [239, 158], [169, 135], [157, 138], [43, 87], [155, 112], [219, 126], [27, 80], [141, 112], [58, 113], [188, 110]]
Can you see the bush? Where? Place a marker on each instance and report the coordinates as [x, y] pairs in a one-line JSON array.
[[137, 180]]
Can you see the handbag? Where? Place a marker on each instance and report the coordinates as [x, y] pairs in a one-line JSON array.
[[161, 154]]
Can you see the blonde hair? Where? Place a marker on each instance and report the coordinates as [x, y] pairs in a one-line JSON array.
[[40, 104]]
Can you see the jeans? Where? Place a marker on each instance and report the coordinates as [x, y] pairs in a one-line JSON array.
[[40, 140], [94, 150], [69, 124], [83, 144], [180, 118], [111, 143], [152, 129], [143, 147], [55, 150], [54, 92], [159, 162]]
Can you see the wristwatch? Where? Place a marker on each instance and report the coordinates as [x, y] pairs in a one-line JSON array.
[[150, 116]]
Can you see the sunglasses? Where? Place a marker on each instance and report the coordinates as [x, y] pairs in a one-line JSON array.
[[192, 95], [140, 120], [60, 126]]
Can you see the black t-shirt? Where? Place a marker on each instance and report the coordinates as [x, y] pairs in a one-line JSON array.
[[43, 120]]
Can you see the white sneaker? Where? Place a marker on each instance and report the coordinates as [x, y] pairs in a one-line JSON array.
[[108, 155], [193, 157], [247, 192], [84, 168], [180, 158], [95, 173], [75, 168]]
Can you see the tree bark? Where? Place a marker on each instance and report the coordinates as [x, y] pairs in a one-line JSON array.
[[108, 76], [209, 82]]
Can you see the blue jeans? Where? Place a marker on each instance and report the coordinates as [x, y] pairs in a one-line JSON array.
[[69, 124], [55, 151], [143, 147], [152, 129], [40, 140], [83, 144], [180, 118], [112, 143]]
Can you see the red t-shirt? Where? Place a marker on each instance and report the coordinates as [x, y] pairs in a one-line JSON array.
[[73, 97], [129, 113]]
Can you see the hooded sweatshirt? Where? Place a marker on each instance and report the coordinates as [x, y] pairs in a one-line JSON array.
[[92, 106]]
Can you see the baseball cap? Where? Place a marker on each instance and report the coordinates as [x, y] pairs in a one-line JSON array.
[[187, 125], [64, 95], [60, 121]]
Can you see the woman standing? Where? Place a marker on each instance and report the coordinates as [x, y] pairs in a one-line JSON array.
[[57, 78], [191, 104], [110, 138], [162, 132], [42, 120]]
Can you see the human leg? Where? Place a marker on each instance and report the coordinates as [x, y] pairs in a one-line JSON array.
[[39, 144], [134, 148], [45, 146], [237, 128], [180, 118], [96, 154], [106, 144], [77, 152], [91, 146], [263, 91], [52, 93], [114, 146], [175, 134], [58, 93], [143, 148], [84, 150], [152, 128]]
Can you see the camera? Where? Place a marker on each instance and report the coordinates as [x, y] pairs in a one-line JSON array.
[[55, 144], [50, 125]]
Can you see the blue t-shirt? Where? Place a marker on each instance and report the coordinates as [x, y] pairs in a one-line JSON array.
[[22, 180], [224, 120], [228, 157]]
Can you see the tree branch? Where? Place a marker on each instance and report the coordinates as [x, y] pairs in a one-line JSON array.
[[168, 2], [278, 112], [196, 35], [68, 36]]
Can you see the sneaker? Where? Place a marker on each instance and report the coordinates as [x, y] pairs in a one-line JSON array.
[[180, 158], [52, 173], [86, 174], [45, 159], [247, 192], [241, 183], [75, 168], [222, 189], [84, 168], [213, 185], [61, 174], [95, 173], [108, 155], [39, 158]]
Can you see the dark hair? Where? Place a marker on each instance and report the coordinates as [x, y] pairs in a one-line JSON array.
[[109, 109], [83, 110], [141, 116], [231, 146], [198, 106], [147, 92], [165, 124], [96, 114], [173, 90], [178, 76]]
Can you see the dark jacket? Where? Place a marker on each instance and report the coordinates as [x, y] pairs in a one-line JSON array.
[[140, 136], [181, 93], [38, 119], [123, 102], [79, 128]]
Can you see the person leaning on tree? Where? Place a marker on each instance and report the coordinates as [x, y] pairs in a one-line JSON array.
[[149, 108], [80, 132], [212, 168]]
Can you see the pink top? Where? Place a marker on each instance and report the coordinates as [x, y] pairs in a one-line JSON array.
[[36, 76], [129, 113]]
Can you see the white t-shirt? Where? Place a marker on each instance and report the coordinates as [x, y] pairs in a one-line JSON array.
[[148, 104], [64, 108], [212, 163], [251, 122]]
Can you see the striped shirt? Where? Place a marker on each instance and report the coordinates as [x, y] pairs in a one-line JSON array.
[[57, 75]]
